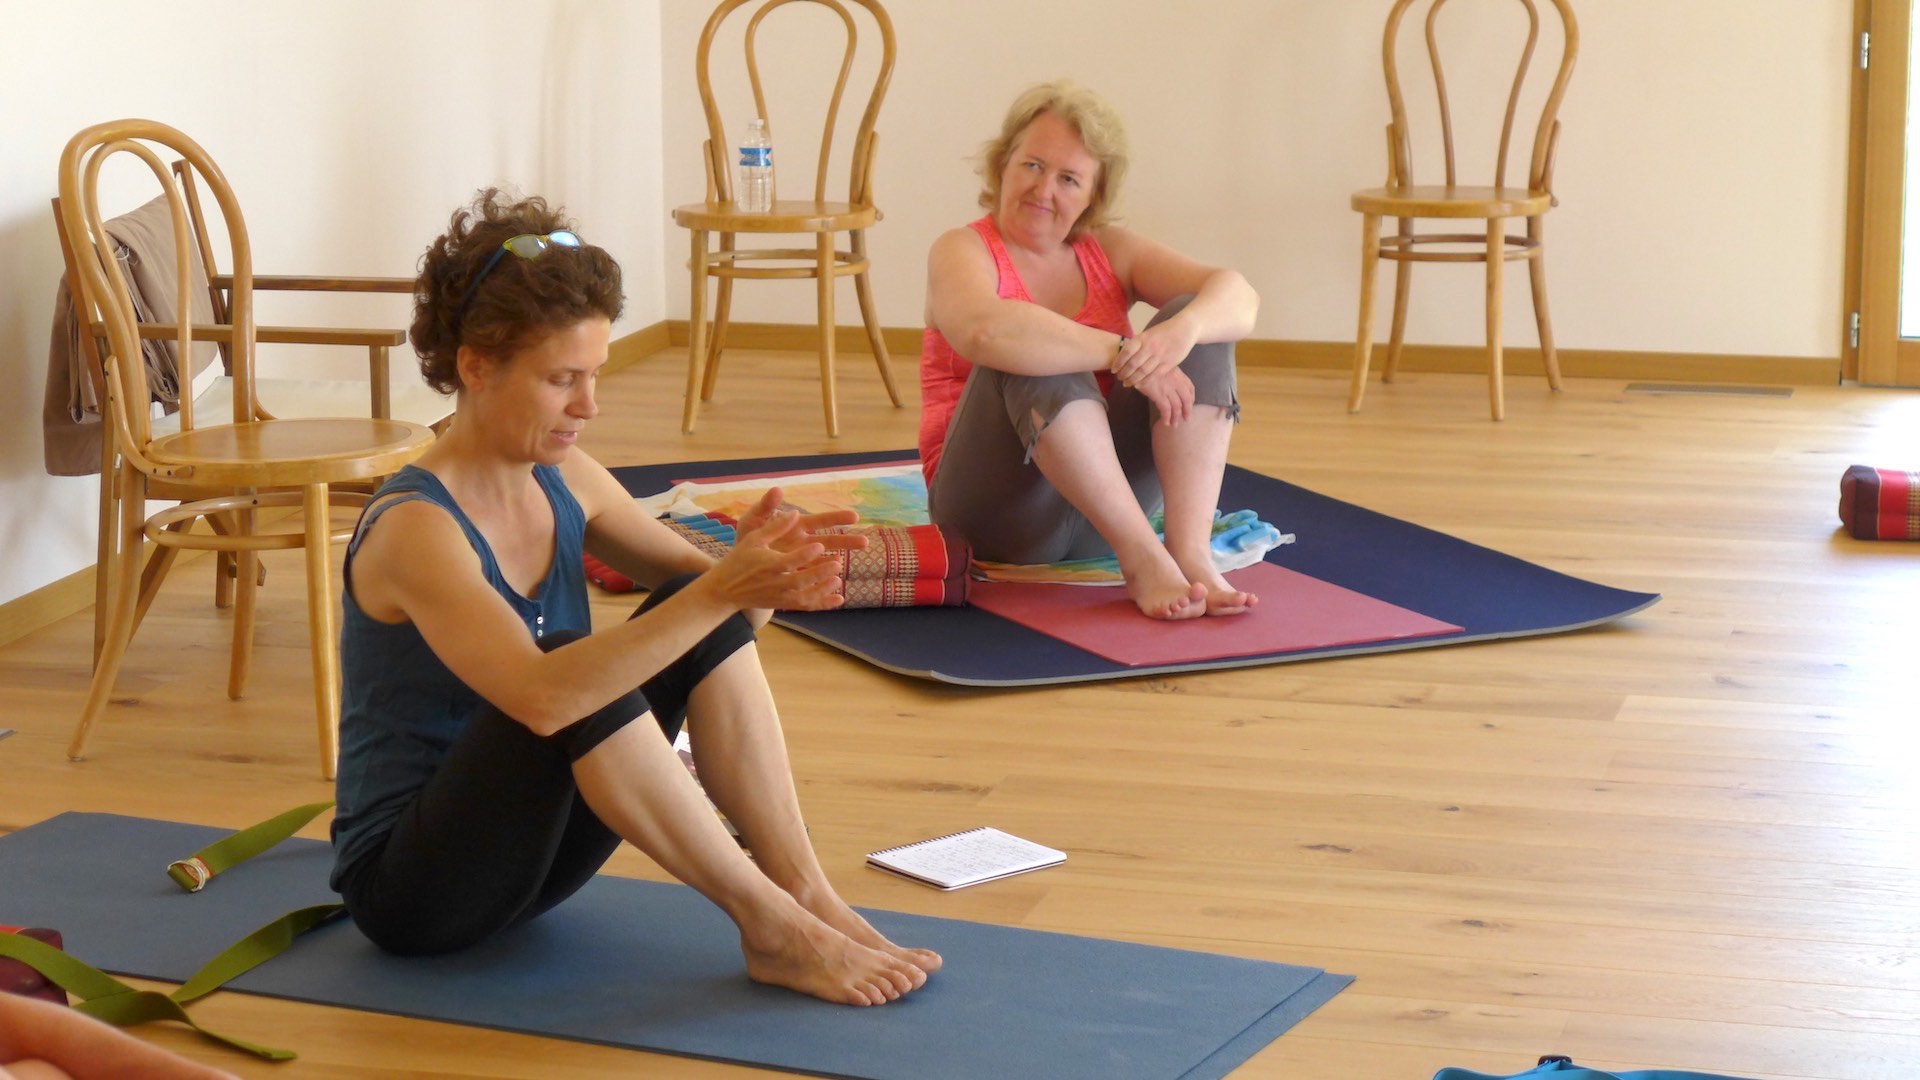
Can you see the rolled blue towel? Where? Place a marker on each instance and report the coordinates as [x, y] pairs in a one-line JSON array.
[[1240, 538]]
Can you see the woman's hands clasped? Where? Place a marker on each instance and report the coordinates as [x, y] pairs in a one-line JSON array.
[[1150, 364], [1158, 349], [780, 559]]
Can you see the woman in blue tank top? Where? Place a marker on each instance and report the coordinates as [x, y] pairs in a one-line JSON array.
[[490, 758]]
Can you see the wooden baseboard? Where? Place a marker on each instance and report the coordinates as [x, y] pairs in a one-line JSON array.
[[52, 602], [1338, 356], [630, 349], [901, 341], [46, 605], [1574, 363]]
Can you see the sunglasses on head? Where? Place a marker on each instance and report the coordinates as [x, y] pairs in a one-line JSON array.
[[527, 246]]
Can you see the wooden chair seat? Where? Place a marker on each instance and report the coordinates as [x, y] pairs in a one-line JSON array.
[[717, 223], [787, 216], [1445, 201], [289, 453]]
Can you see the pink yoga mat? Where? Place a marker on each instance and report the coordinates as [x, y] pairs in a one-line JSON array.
[[1295, 612]]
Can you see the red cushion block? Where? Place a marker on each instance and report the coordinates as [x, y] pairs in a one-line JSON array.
[[606, 576], [18, 978], [1880, 504]]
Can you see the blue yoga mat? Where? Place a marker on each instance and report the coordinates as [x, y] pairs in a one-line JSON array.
[[1488, 594], [653, 966]]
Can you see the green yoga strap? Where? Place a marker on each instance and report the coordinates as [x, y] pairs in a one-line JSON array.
[[106, 998], [1557, 1067], [193, 873]]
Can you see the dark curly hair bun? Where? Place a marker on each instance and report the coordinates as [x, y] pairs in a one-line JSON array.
[[519, 302]]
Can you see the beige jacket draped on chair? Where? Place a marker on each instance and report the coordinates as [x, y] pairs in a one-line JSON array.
[[70, 418]]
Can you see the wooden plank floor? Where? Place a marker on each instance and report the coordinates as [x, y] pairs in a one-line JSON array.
[[1685, 840]]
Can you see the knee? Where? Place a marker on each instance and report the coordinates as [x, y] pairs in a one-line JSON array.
[[1209, 362], [1169, 309], [722, 641], [665, 589], [1210, 365]]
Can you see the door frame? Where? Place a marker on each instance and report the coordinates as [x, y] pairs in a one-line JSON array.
[[1877, 181]]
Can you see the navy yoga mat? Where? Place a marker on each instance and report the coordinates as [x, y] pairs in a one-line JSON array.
[[653, 966], [1488, 594]]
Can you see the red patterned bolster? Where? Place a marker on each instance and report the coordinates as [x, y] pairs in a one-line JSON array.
[[901, 566], [1880, 504], [904, 566], [18, 978]]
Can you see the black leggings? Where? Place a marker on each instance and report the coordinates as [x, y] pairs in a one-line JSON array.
[[500, 833]]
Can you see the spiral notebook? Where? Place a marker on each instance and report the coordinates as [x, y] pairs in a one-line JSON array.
[[965, 858]]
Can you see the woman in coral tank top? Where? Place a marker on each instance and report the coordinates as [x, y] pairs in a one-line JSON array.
[[1050, 430]]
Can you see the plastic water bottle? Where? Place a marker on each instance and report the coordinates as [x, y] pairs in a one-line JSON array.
[[756, 169]]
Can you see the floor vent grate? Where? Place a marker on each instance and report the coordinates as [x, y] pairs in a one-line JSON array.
[[1730, 390]]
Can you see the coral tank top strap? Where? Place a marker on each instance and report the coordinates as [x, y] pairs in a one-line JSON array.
[[1011, 287], [1106, 304]]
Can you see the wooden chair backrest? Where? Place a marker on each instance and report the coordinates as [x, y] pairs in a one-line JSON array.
[[719, 146], [103, 294], [89, 345], [216, 296], [1546, 132]]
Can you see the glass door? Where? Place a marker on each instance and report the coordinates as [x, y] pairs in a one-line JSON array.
[[1890, 218]]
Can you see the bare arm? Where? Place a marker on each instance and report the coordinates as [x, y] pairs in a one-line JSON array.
[[963, 303], [622, 535], [638, 545], [415, 564], [1223, 306], [36, 1032]]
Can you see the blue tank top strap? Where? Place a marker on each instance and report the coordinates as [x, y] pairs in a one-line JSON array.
[[414, 484]]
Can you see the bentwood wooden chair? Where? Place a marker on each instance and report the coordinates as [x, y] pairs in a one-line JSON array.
[[1409, 202], [226, 468], [718, 217], [379, 395]]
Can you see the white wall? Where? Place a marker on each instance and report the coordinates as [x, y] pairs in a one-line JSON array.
[[349, 130], [1701, 170]]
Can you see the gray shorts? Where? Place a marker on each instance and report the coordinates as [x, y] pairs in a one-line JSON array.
[[988, 490]]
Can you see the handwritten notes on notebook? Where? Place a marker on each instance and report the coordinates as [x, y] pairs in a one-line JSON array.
[[965, 858]]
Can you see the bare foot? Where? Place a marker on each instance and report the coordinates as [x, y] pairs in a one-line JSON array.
[[813, 958], [1160, 590], [827, 906], [1218, 597], [1224, 599]]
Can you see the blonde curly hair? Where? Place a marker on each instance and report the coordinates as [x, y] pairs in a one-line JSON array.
[[1091, 118]]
